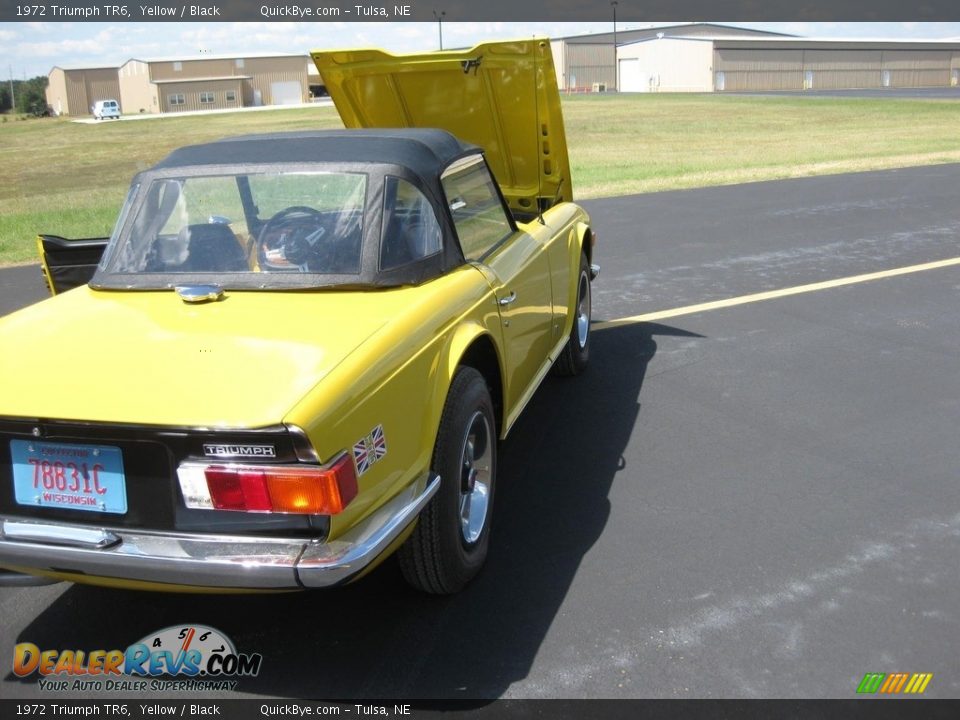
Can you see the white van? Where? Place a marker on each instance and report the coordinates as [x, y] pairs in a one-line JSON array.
[[106, 109]]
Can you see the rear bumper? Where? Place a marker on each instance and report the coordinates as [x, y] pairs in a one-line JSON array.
[[205, 561]]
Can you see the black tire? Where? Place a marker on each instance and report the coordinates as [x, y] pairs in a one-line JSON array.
[[444, 553], [575, 355]]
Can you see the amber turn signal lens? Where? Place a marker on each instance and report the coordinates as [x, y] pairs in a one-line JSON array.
[[326, 492], [283, 488]]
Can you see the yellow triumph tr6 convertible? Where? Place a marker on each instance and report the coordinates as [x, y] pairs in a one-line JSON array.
[[299, 351]]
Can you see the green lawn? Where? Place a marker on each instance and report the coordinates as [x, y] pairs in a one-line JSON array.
[[69, 179], [645, 143]]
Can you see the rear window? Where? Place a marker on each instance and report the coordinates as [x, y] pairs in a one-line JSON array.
[[252, 224]]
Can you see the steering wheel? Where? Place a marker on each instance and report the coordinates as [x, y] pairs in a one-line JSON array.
[[293, 238]]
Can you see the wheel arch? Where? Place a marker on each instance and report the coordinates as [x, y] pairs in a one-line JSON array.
[[586, 236], [583, 246]]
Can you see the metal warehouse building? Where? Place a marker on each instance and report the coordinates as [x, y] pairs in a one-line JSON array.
[[73, 91], [587, 62], [707, 58], [163, 85], [209, 82]]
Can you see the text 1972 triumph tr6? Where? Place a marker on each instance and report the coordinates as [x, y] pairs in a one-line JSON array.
[[299, 351]]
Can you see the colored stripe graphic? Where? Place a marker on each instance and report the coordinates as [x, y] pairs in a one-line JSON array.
[[918, 683], [871, 682], [894, 683]]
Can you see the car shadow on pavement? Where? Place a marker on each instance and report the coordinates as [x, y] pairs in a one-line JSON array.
[[380, 639]]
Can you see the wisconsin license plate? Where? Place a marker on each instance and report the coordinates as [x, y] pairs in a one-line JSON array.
[[74, 477]]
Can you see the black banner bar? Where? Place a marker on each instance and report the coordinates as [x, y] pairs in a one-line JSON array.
[[469, 10], [258, 709]]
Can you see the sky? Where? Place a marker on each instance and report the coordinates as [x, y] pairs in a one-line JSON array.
[[31, 49]]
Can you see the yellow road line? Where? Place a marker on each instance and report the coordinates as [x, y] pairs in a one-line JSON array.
[[771, 294]]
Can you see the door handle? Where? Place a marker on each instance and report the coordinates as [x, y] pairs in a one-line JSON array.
[[512, 297]]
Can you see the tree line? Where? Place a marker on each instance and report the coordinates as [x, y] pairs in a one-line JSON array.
[[29, 96]]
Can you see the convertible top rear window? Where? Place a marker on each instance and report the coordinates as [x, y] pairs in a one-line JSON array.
[[256, 223]]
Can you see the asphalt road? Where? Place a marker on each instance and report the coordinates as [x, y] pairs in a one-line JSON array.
[[755, 501]]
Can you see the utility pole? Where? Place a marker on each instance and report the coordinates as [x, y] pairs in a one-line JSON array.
[[13, 103], [440, 24], [616, 63]]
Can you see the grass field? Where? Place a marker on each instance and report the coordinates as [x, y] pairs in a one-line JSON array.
[[69, 179]]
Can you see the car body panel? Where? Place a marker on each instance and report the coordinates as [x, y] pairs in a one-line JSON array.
[[520, 274], [148, 358], [500, 96]]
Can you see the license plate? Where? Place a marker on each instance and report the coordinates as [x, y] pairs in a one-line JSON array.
[[73, 477]]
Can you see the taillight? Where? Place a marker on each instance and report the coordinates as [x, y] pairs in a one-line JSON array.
[[236, 488], [270, 488]]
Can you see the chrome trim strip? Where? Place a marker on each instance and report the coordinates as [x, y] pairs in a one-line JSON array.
[[302, 446], [94, 538], [332, 563], [220, 561]]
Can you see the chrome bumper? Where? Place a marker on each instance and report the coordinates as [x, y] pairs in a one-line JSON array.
[[209, 561]]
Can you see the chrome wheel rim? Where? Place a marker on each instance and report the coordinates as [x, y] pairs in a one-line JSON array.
[[476, 474], [583, 311]]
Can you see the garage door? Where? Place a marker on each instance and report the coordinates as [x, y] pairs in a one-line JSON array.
[[632, 78], [286, 93]]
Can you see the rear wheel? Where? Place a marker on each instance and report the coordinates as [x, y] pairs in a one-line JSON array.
[[575, 355], [449, 545]]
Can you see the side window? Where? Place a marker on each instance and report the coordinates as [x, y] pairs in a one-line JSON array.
[[410, 228], [475, 206]]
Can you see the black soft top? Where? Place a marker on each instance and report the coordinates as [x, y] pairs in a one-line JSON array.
[[426, 152], [418, 155]]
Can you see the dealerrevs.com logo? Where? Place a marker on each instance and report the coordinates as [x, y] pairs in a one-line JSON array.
[[198, 656]]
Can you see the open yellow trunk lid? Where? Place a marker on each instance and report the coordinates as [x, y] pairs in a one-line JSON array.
[[501, 96]]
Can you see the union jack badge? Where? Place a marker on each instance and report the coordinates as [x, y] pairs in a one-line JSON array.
[[370, 449]]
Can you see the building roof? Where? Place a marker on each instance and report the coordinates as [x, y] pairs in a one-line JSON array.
[[211, 56], [635, 34], [786, 42], [81, 68], [183, 58]]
